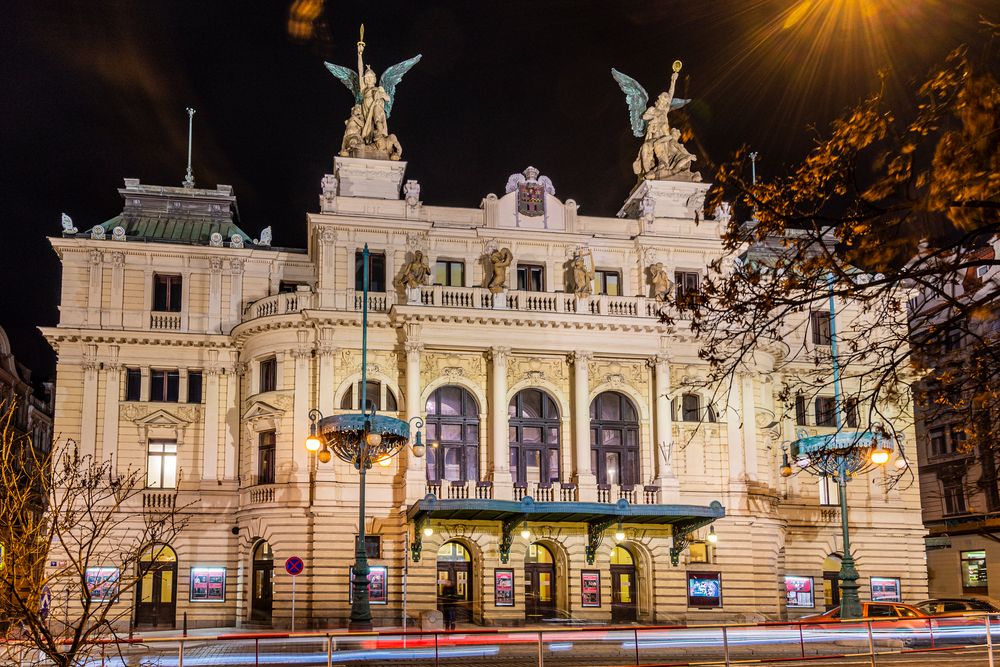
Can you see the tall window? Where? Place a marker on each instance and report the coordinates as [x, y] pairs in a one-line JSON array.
[[453, 433], [449, 273], [133, 384], [608, 282], [691, 408], [194, 387], [939, 441], [826, 411], [829, 491], [376, 271], [800, 410], [164, 386], [819, 322], [688, 282], [265, 457], [166, 293], [614, 439], [957, 436], [377, 396], [531, 277], [269, 374], [161, 464], [851, 412], [534, 437], [954, 496]]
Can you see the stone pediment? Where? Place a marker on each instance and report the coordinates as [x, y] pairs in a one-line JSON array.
[[142, 415], [260, 409]]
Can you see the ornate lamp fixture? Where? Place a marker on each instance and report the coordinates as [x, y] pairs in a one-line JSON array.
[[361, 439]]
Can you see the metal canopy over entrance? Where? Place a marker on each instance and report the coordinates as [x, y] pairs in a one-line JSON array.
[[597, 516]]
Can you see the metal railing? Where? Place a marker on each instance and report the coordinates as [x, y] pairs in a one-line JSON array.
[[831, 642]]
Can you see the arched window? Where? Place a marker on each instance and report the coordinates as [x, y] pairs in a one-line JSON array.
[[690, 409], [534, 437], [453, 433], [377, 395], [614, 439]]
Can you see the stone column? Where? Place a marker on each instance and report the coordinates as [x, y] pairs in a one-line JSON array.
[[210, 456], [88, 418], [502, 482], [327, 286], [302, 356], [112, 394], [749, 425], [666, 479], [213, 324], [583, 476], [236, 266]]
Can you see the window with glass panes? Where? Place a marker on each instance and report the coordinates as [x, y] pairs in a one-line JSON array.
[[954, 496], [800, 410], [819, 322], [377, 396], [268, 374], [534, 438], [453, 435], [531, 277], [614, 439], [687, 282], [161, 464], [851, 412], [194, 383], [826, 411], [829, 490], [608, 282], [133, 384], [265, 457], [376, 271], [166, 293], [164, 386], [449, 273], [691, 408]]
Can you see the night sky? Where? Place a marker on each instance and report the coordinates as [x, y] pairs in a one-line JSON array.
[[94, 92]]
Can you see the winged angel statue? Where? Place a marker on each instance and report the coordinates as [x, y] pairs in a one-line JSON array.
[[367, 133], [662, 155]]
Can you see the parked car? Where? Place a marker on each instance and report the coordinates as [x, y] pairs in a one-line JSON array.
[[956, 607], [870, 609]]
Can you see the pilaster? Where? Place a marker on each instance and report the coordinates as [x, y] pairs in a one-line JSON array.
[[88, 419], [502, 482], [583, 476], [214, 321], [666, 479], [302, 356], [416, 473], [112, 382], [210, 456], [95, 288]]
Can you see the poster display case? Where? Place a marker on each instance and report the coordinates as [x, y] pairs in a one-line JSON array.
[[590, 588], [799, 592], [704, 589], [208, 584], [503, 587]]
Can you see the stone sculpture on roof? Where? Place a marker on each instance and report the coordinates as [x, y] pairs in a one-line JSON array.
[[367, 133], [662, 156]]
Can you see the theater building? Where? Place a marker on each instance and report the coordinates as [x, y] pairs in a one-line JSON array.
[[571, 473]]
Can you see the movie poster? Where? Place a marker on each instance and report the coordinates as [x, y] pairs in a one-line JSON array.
[[885, 589], [378, 588], [503, 588], [704, 589], [102, 582], [799, 592], [208, 584], [590, 588]]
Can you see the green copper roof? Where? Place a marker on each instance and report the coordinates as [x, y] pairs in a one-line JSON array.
[[180, 229]]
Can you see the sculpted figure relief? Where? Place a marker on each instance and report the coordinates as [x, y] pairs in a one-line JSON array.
[[662, 156], [501, 260], [416, 271], [583, 276], [366, 132], [661, 282]]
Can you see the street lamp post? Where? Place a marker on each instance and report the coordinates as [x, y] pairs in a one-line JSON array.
[[361, 439]]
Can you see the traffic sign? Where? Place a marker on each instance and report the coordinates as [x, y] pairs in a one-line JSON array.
[[294, 566]]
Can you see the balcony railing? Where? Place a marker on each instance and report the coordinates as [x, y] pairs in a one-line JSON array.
[[539, 302], [159, 500], [165, 321], [543, 493], [279, 304]]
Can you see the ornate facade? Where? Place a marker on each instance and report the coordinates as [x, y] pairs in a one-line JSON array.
[[572, 473]]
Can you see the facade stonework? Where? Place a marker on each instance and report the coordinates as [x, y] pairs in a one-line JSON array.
[[260, 335]]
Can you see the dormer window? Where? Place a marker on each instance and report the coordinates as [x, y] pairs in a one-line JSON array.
[[166, 293]]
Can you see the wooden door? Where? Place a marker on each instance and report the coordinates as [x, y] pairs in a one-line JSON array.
[[623, 589]]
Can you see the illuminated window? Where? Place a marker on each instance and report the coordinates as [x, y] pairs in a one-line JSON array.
[[161, 464]]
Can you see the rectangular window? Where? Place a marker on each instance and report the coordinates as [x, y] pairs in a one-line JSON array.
[[268, 374], [164, 386], [953, 340], [265, 458], [819, 322], [133, 384], [376, 271], [194, 387], [691, 408], [851, 408], [956, 441], [800, 410], [974, 572], [609, 282], [954, 497], [530, 278], [826, 411], [449, 273], [939, 445], [166, 293], [161, 464], [688, 282], [829, 491]]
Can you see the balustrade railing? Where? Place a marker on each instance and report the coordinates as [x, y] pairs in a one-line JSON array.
[[165, 321], [159, 500], [264, 493], [539, 302], [279, 304]]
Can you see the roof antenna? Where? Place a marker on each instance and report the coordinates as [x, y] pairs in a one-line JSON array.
[[189, 177]]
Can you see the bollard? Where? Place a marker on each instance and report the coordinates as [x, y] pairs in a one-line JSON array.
[[725, 646], [871, 643], [989, 641]]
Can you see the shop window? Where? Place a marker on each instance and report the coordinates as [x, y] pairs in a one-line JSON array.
[[819, 322], [164, 386], [265, 457], [609, 282], [166, 293], [530, 278], [688, 282], [377, 396], [194, 385], [161, 464], [268, 374], [826, 411], [974, 572], [376, 271], [449, 273], [452, 429], [133, 384]]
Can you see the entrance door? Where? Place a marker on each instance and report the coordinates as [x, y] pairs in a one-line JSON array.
[[831, 581], [156, 593], [539, 584], [263, 583], [623, 587], [454, 573]]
